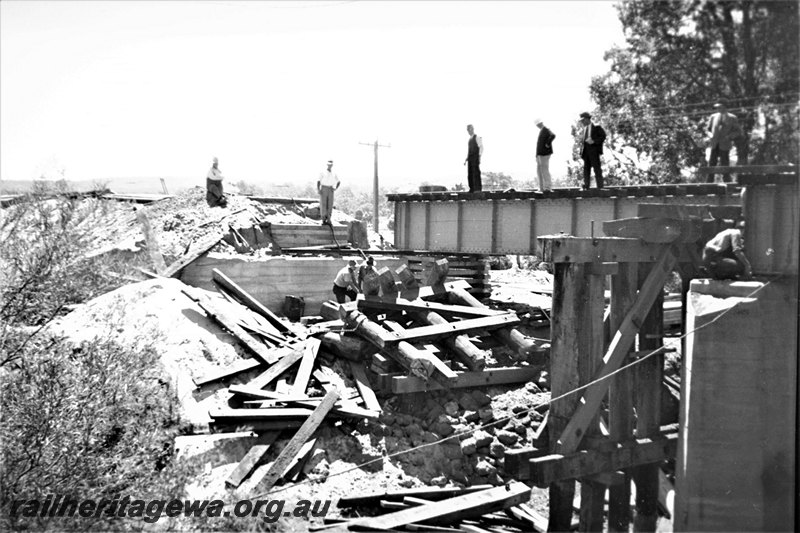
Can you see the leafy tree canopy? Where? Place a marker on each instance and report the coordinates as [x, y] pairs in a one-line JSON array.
[[682, 56]]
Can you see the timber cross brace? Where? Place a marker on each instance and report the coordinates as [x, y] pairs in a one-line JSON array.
[[607, 450]]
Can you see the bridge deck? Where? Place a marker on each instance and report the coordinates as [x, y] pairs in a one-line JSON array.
[[509, 222]]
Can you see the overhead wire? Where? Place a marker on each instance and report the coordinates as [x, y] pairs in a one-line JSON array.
[[528, 410]]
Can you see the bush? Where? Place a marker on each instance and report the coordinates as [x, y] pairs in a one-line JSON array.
[[88, 421]]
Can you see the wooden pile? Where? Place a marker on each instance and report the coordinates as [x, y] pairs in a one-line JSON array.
[[477, 509]]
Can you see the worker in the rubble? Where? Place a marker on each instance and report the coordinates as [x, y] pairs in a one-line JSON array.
[[345, 284], [723, 256], [365, 268], [327, 182], [214, 194]]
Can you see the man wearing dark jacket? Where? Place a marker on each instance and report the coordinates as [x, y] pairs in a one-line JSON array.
[[592, 138], [473, 160], [544, 149]]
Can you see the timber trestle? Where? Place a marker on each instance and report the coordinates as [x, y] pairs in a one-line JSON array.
[[607, 449]]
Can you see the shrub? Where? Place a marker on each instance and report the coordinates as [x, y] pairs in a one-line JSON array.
[[91, 421], [88, 421]]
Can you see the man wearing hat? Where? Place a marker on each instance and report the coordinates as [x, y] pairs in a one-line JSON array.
[[593, 137], [214, 195], [724, 130], [345, 283], [326, 184], [544, 149]]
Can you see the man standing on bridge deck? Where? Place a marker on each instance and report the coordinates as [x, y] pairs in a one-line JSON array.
[[326, 184], [214, 194], [473, 160], [724, 130], [544, 149], [592, 137]]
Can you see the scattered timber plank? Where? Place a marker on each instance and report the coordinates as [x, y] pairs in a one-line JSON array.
[[365, 500], [306, 366], [228, 372], [557, 467], [494, 376], [251, 460], [250, 302], [200, 248], [226, 413], [258, 348], [657, 230], [452, 328], [295, 444], [401, 304], [289, 357], [298, 460], [457, 508], [538, 521], [362, 382]]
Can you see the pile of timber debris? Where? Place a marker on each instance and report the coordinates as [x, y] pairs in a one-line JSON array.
[[478, 509], [406, 336]]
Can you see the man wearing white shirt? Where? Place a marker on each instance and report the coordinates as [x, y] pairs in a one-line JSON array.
[[214, 194], [326, 184]]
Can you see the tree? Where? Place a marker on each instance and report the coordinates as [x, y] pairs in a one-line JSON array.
[[682, 56]]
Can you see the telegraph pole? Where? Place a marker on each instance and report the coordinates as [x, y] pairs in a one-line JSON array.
[[375, 218]]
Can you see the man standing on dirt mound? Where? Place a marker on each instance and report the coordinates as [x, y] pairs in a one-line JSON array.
[[214, 194], [326, 184]]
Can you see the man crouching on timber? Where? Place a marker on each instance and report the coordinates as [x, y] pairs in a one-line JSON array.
[[723, 256]]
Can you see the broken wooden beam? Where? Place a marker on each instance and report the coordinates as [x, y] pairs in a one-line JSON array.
[[199, 249], [426, 493], [440, 331], [452, 509], [250, 302], [252, 459], [387, 282], [258, 348], [286, 456], [289, 356], [557, 467], [347, 346], [510, 337], [417, 361], [228, 372], [465, 351], [494, 376], [306, 366], [362, 382], [421, 306]]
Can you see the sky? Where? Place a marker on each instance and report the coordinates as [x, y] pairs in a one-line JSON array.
[[99, 90]]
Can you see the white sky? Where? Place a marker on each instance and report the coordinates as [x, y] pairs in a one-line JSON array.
[[111, 89]]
